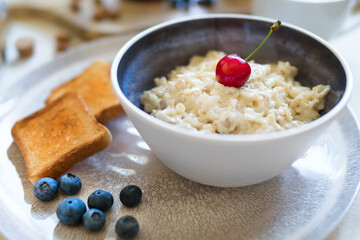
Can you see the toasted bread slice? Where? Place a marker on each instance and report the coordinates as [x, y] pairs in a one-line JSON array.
[[58, 136], [94, 87]]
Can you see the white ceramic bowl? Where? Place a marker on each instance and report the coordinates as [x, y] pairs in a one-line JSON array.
[[220, 159]]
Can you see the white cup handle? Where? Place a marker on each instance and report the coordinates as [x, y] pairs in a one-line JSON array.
[[352, 21]]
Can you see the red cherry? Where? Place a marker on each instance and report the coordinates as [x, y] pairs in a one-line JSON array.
[[232, 71]]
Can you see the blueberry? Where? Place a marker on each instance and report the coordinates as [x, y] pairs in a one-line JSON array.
[[69, 184], [130, 195], [127, 227], [180, 3], [205, 2], [45, 189], [94, 220], [70, 211], [101, 200]]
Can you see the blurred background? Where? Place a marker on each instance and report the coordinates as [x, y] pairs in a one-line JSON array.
[[33, 32]]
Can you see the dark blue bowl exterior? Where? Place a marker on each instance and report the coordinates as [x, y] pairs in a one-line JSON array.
[[157, 53]]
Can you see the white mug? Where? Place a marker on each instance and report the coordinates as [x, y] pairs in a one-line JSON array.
[[322, 17]]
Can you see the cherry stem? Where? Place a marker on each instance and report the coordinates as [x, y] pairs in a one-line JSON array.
[[273, 28]]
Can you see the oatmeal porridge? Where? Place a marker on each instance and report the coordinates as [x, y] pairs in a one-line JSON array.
[[271, 100]]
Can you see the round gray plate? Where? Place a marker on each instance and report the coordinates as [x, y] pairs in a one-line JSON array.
[[306, 202]]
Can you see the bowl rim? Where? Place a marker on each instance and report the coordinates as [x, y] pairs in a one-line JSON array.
[[329, 116]]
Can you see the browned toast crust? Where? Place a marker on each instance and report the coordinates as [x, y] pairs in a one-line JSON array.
[[94, 86], [55, 138]]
